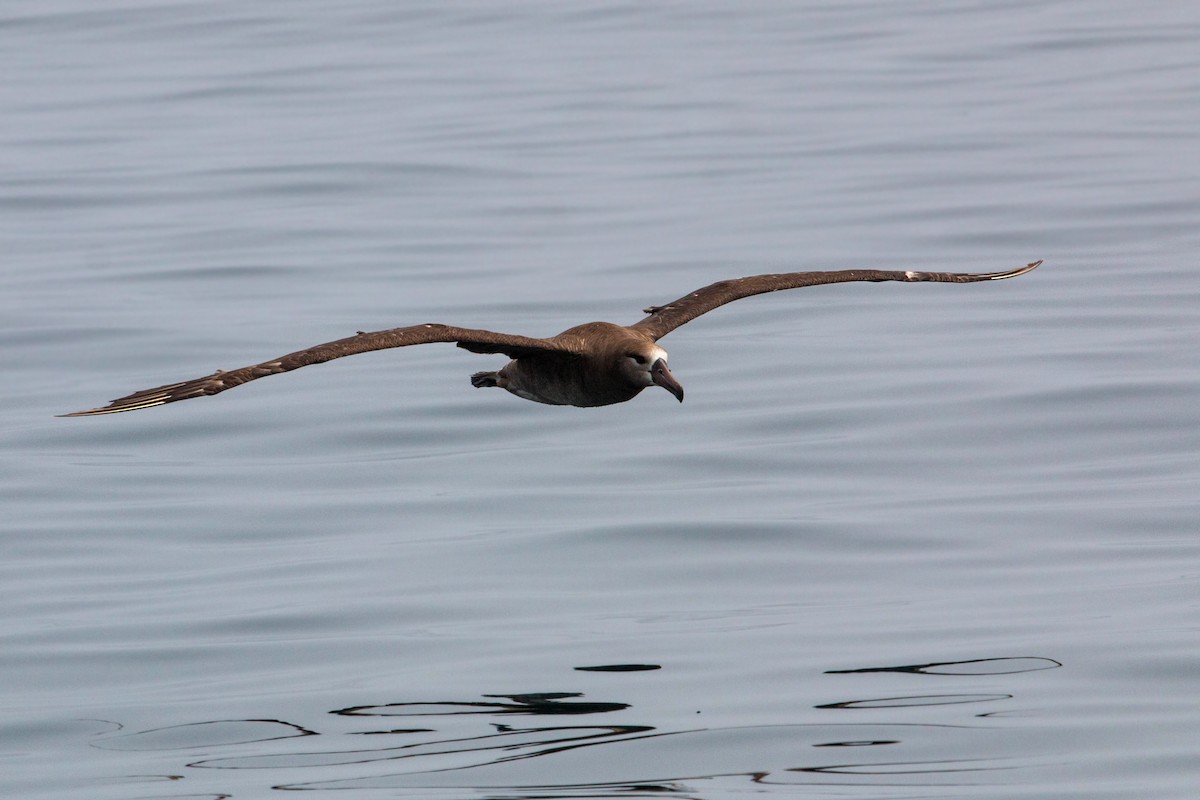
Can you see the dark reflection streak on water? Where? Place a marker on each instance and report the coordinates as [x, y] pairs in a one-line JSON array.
[[860, 769], [544, 704], [320, 759], [113, 742], [933, 668], [864, 770], [570, 791], [564, 748], [117, 726], [566, 791], [930, 700], [523, 704], [600, 791], [496, 708]]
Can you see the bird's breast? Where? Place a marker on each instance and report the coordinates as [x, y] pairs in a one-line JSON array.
[[560, 381]]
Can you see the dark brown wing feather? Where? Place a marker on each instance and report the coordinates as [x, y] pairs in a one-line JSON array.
[[664, 319], [477, 341]]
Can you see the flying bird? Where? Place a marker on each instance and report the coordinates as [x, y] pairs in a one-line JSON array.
[[594, 364]]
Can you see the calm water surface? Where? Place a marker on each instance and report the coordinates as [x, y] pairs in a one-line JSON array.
[[900, 541]]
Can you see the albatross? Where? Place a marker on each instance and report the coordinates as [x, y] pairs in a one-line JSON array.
[[594, 364]]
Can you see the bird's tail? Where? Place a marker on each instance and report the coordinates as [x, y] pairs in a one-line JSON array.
[[482, 379]]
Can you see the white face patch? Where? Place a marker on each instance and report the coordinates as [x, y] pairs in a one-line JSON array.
[[652, 357]]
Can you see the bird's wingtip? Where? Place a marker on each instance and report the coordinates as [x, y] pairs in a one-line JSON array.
[[133, 402], [1012, 273], [112, 409]]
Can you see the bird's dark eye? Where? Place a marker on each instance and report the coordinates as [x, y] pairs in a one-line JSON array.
[[641, 360]]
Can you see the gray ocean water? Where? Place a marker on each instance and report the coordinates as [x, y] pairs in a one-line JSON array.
[[900, 541]]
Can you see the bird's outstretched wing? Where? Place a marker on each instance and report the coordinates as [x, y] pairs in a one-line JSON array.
[[666, 318], [477, 341]]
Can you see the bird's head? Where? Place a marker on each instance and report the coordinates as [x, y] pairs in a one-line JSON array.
[[647, 366]]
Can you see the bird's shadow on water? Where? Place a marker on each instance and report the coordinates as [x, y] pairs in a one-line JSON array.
[[561, 745]]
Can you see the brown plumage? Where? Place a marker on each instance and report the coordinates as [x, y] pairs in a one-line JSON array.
[[594, 364]]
